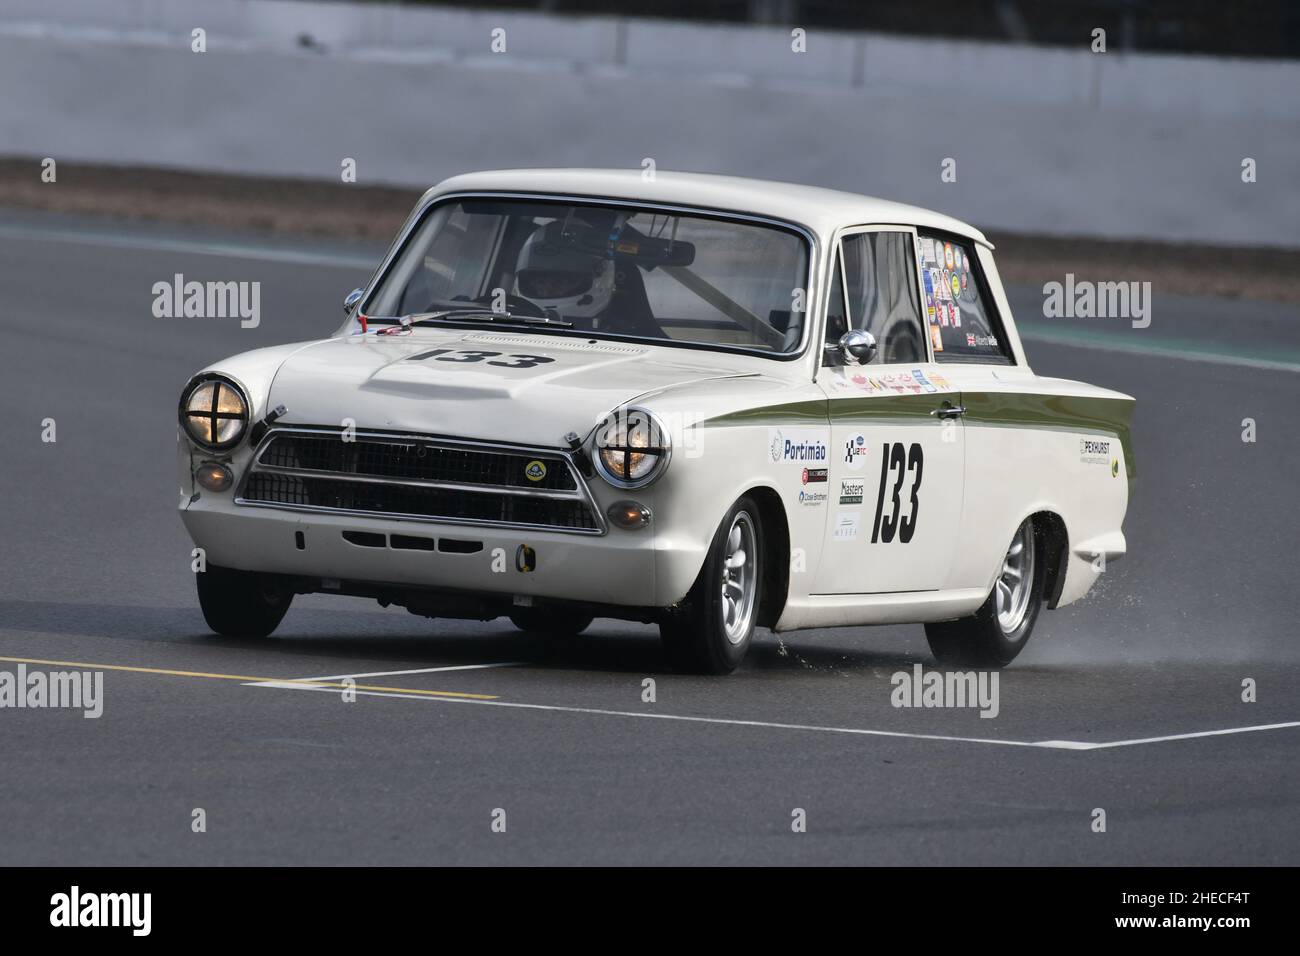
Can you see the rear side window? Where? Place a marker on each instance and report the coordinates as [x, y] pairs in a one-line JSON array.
[[959, 314]]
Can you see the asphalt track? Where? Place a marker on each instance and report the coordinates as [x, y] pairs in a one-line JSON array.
[[1129, 701]]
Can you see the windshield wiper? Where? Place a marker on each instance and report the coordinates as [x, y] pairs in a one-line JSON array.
[[483, 315]]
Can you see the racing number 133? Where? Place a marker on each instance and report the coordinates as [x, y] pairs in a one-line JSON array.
[[897, 463]]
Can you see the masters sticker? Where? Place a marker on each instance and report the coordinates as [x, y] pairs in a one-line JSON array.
[[852, 491]]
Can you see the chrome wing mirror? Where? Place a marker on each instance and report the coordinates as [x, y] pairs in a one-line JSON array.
[[857, 347]]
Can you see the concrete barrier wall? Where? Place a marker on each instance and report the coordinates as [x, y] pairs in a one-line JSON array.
[[1045, 140]]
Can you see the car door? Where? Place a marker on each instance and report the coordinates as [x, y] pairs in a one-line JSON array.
[[973, 348], [895, 476]]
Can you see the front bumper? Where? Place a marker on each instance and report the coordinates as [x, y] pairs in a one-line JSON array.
[[617, 568]]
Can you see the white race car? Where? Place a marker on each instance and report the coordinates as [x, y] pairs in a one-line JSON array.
[[703, 402]]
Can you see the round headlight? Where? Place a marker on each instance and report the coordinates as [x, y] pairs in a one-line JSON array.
[[214, 412], [632, 448]]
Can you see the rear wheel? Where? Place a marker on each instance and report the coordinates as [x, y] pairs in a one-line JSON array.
[[712, 629], [550, 621], [997, 632], [241, 603]]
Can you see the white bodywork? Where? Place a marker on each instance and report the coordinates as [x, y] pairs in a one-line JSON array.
[[1016, 453]]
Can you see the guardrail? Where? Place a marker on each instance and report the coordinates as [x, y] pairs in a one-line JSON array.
[[1044, 140]]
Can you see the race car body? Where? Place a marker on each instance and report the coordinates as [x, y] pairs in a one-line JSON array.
[[704, 402]]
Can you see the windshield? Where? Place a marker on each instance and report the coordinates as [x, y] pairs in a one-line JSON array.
[[613, 270]]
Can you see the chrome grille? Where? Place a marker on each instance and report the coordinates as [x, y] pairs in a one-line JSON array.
[[419, 478]]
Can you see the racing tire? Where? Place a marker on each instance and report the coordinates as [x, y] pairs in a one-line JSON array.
[[711, 630], [998, 631], [550, 621], [241, 603]]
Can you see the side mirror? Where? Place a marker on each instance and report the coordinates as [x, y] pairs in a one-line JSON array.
[[352, 298], [857, 347]]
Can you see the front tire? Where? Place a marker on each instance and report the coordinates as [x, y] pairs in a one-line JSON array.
[[997, 632], [711, 630], [241, 603]]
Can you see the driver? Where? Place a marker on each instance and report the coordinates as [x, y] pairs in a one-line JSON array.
[[559, 272]]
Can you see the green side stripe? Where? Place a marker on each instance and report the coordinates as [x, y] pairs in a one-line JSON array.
[[1106, 416], [1110, 416], [796, 413]]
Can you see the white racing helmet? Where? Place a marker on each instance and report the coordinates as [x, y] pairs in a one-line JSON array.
[[560, 274]]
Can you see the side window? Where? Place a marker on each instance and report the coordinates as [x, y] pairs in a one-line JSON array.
[[880, 285], [962, 321]]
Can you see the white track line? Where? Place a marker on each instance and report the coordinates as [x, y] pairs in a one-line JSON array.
[[773, 725], [1080, 745], [1157, 350], [233, 250], [299, 682]]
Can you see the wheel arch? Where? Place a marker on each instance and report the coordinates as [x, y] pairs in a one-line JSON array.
[[776, 557], [1054, 541]]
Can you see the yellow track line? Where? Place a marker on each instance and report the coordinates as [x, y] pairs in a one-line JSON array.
[[240, 677]]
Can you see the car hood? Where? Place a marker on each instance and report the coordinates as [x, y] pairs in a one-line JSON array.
[[545, 386]]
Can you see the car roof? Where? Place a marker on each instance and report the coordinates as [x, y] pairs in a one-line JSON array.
[[821, 210]]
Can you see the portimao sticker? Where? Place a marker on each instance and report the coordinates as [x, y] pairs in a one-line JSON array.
[[802, 446]]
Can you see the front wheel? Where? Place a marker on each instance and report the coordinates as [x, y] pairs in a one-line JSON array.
[[711, 630], [997, 632], [241, 603]]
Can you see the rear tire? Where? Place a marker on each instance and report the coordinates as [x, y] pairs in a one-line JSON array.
[[550, 621], [997, 632], [241, 603], [711, 630]]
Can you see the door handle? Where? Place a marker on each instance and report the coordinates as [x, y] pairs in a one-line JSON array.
[[948, 411]]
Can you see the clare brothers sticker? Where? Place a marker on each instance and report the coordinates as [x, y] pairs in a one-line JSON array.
[[846, 525], [1095, 452], [797, 446], [852, 491], [814, 498]]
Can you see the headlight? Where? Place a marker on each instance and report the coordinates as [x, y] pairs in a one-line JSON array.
[[632, 448], [214, 412]]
